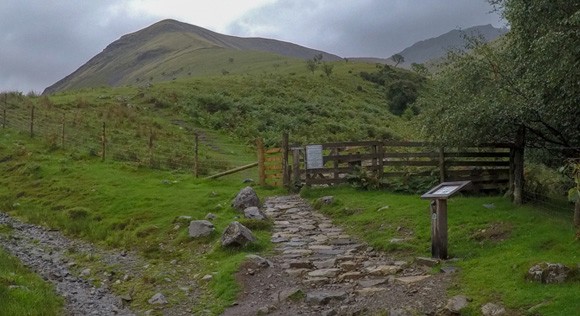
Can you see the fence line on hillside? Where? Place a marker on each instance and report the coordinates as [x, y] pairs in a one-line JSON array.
[[144, 145]]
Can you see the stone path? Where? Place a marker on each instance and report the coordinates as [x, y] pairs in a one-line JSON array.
[[329, 272], [45, 252]]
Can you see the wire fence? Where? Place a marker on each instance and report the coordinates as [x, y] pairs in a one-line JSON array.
[[119, 133]]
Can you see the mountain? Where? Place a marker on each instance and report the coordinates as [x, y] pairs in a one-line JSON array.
[[437, 47], [171, 49]]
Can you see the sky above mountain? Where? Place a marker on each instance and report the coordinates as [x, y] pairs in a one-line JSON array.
[[43, 41]]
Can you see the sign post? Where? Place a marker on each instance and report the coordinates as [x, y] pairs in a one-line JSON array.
[[439, 196]]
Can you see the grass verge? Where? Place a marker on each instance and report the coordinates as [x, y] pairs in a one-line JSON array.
[[24, 293], [496, 244]]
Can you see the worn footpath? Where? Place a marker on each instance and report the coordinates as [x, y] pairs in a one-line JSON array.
[[318, 269], [44, 252]]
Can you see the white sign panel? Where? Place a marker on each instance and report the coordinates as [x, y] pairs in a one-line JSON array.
[[446, 189], [314, 157]]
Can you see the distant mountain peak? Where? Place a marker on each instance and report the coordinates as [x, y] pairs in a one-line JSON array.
[[438, 47], [169, 44]]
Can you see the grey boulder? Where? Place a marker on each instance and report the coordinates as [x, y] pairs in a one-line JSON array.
[[247, 197], [237, 234], [200, 228], [254, 213]]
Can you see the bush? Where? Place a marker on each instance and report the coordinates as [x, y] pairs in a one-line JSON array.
[[542, 182]]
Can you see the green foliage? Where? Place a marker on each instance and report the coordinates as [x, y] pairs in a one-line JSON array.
[[543, 182], [520, 80], [401, 87], [364, 179]]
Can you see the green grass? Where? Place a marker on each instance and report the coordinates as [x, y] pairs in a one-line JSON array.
[[123, 206], [493, 263], [24, 293]]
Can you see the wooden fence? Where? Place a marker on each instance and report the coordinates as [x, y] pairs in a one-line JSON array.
[[489, 166]]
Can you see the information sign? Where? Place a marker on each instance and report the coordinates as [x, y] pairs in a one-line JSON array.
[[314, 157]]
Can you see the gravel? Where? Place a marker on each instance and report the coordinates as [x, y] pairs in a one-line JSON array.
[[44, 252]]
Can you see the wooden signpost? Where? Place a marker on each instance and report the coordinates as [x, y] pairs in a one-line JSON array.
[[438, 196]]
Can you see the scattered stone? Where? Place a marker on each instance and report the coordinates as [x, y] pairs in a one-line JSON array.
[[237, 234], [85, 272], [449, 269], [158, 299], [399, 240], [126, 297], [210, 216], [326, 200], [322, 298], [386, 207], [247, 197], [248, 180], [263, 310], [200, 228], [457, 303], [293, 294], [429, 262], [324, 273], [383, 270], [350, 276], [348, 266], [262, 262], [372, 282], [253, 212], [491, 309], [549, 273], [489, 206], [411, 279], [296, 272], [301, 264], [330, 312], [367, 291]]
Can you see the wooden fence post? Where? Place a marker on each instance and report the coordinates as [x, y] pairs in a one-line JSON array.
[[285, 164], [32, 121], [4, 111], [380, 158], [442, 171], [519, 147], [196, 156], [261, 161], [62, 136], [296, 165], [103, 142], [150, 145]]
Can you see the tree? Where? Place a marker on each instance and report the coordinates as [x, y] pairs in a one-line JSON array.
[[327, 68], [311, 65], [519, 87], [398, 58]]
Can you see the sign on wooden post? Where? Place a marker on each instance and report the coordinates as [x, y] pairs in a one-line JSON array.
[[314, 157], [439, 195]]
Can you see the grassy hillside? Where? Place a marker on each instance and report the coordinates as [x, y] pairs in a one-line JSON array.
[[169, 49]]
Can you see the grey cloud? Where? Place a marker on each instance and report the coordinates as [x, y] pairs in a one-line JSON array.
[[377, 28], [43, 41]]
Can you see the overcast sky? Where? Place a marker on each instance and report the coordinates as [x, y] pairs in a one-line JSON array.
[[43, 41]]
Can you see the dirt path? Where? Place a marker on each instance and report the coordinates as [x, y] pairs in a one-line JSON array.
[[320, 270], [44, 252]]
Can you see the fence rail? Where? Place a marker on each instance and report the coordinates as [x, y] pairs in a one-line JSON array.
[[489, 166]]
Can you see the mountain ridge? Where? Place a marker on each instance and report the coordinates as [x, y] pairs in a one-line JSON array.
[[134, 55]]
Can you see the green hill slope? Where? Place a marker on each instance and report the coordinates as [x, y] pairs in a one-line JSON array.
[[170, 49]]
